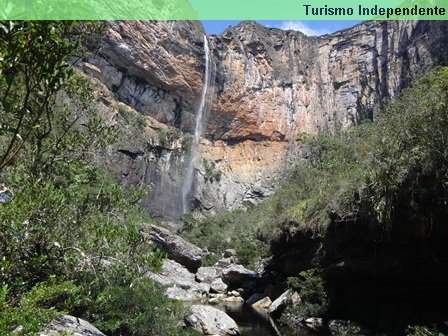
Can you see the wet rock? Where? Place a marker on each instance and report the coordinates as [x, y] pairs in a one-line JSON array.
[[177, 248], [264, 303], [211, 321], [235, 299], [72, 326]]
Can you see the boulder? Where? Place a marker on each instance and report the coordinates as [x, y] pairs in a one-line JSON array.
[[70, 325], [174, 275], [218, 286], [239, 275], [279, 304], [211, 321], [177, 293], [264, 303], [208, 274], [177, 248]]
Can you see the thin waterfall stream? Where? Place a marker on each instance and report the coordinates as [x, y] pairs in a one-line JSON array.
[[188, 181]]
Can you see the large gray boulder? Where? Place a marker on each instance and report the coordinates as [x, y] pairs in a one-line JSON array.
[[208, 274], [218, 286], [176, 247], [211, 321], [70, 325], [239, 275], [180, 282]]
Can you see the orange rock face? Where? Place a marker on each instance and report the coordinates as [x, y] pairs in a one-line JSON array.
[[269, 87]]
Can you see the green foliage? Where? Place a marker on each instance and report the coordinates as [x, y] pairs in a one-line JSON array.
[[314, 299], [422, 331], [71, 237], [311, 288], [33, 67], [211, 259], [139, 309], [371, 173], [228, 230], [347, 329], [187, 140], [211, 172], [167, 136], [25, 315], [132, 118]]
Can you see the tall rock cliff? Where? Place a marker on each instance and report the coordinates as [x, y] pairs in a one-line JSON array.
[[270, 86]]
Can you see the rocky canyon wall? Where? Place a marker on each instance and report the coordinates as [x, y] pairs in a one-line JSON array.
[[270, 86]]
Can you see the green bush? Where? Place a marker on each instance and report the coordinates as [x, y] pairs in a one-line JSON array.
[[314, 299], [71, 237], [139, 309]]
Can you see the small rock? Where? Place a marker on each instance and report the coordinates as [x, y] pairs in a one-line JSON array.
[[213, 301], [229, 253], [314, 323], [295, 299], [218, 286], [225, 262], [211, 321], [264, 303], [233, 299], [235, 293]]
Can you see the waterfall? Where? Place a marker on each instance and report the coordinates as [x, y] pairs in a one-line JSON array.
[[187, 183]]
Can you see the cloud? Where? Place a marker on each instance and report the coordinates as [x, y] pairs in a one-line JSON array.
[[301, 27]]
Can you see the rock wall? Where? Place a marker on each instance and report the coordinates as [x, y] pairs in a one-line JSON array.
[[270, 86]]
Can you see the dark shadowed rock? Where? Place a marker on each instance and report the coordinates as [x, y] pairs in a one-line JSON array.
[[239, 275]]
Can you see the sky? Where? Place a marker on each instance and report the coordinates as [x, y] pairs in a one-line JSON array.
[[311, 28]]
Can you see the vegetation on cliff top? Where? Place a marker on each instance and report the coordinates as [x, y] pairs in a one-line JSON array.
[[70, 239]]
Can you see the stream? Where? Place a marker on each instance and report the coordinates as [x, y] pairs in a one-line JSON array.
[[253, 322]]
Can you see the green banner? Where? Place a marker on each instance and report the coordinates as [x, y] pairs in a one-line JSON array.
[[223, 9]]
